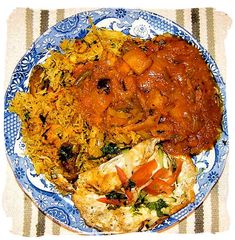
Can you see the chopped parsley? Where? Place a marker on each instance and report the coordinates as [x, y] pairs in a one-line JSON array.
[[110, 150], [157, 206], [142, 201]]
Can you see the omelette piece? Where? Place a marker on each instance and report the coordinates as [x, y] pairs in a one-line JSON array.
[[136, 190]]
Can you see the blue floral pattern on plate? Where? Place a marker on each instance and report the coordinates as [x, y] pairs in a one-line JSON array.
[[136, 23]]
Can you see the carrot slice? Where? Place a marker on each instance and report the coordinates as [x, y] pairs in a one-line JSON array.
[[124, 180], [158, 186], [122, 176], [144, 173], [109, 201], [166, 175], [163, 173]]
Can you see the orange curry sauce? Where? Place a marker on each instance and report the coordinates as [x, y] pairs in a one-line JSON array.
[[161, 87]]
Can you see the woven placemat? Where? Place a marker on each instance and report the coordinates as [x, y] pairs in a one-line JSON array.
[[24, 26]]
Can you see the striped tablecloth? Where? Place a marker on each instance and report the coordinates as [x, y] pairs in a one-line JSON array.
[[24, 26]]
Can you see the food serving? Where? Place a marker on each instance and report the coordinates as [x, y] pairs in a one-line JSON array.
[[114, 120], [136, 190]]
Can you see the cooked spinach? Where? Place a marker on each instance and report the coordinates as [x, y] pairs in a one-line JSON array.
[[66, 152], [111, 148], [116, 195], [130, 184]]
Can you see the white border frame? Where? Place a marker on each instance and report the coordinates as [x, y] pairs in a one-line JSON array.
[[226, 6]]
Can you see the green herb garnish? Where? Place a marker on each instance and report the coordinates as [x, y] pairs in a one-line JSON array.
[[111, 148], [143, 201], [157, 206], [116, 195], [130, 185]]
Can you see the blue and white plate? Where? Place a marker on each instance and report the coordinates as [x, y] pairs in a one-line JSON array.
[[136, 23]]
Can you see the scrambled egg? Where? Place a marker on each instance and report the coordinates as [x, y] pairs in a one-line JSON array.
[[145, 210]]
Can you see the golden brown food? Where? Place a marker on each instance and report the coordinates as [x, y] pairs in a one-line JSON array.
[[116, 198]]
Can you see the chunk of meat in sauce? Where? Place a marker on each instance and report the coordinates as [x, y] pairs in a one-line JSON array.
[[175, 95], [179, 74], [107, 98]]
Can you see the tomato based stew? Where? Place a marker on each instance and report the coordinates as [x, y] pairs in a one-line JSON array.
[[158, 88]]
